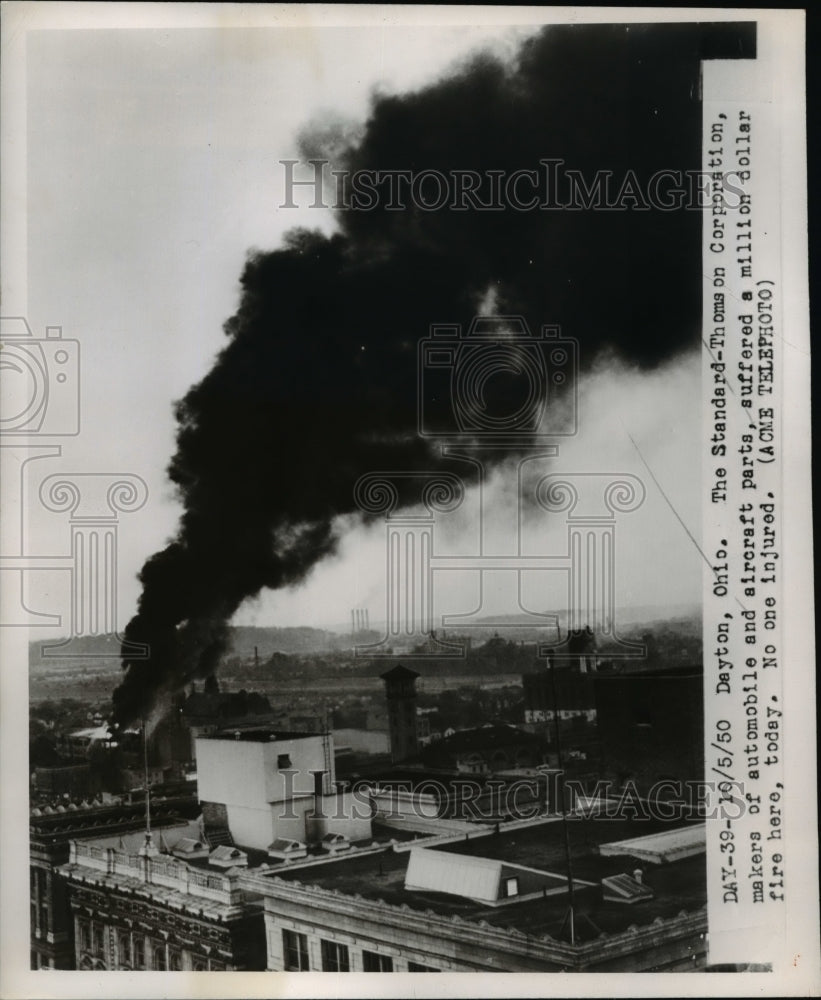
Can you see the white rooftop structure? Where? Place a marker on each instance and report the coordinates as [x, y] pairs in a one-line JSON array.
[[661, 848], [226, 856], [93, 734], [460, 875], [625, 888], [189, 848], [334, 843], [284, 849], [484, 880]]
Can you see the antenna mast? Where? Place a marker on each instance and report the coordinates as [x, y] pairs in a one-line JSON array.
[[571, 914], [148, 849]]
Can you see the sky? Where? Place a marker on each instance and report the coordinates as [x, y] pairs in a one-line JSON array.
[[153, 168]]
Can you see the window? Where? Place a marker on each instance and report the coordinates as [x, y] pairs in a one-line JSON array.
[[284, 761], [85, 936], [139, 952], [335, 957], [159, 958], [200, 965], [124, 950], [418, 967], [373, 962], [295, 948], [174, 960], [511, 886], [97, 939]]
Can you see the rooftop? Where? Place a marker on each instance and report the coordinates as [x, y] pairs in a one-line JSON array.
[[676, 672], [257, 734], [483, 738], [381, 876], [398, 673], [104, 819], [668, 845], [381, 836]]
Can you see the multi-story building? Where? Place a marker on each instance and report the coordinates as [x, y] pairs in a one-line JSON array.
[[259, 785], [173, 901], [483, 750], [651, 726], [138, 909], [568, 693], [50, 834], [488, 901], [336, 890]]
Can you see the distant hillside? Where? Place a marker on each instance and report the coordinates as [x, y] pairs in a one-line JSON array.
[[98, 648], [521, 627], [676, 638], [282, 640], [105, 649]]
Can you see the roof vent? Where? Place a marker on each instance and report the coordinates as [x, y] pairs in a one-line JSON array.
[[625, 889]]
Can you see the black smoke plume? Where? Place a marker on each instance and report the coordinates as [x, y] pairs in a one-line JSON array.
[[317, 383]]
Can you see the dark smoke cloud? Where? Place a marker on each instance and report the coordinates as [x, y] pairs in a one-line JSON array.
[[317, 384]]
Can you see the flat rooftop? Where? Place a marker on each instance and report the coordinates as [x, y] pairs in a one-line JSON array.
[[256, 734], [382, 836], [680, 885], [668, 845]]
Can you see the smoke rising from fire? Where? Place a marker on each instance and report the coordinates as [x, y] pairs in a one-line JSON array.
[[317, 383]]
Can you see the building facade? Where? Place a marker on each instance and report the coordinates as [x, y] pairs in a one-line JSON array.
[[258, 786], [133, 912], [50, 835], [379, 912]]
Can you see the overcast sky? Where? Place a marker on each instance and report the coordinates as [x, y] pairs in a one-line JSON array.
[[153, 168]]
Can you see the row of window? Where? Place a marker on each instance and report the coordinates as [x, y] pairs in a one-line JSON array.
[[132, 952], [38, 906], [336, 957]]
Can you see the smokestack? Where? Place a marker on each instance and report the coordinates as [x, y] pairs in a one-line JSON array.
[[353, 622], [325, 386]]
